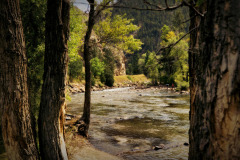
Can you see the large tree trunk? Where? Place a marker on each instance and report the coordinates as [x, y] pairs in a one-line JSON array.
[[83, 128], [215, 82], [17, 131], [52, 107]]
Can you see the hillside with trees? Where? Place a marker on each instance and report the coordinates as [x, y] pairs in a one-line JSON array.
[[110, 39], [150, 23]]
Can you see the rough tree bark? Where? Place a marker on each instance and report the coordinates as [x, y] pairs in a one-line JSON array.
[[17, 130], [85, 119], [215, 82], [52, 107]]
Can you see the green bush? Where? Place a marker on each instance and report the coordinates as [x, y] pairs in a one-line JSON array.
[[103, 78], [182, 85], [75, 68], [109, 76], [97, 67], [93, 81]]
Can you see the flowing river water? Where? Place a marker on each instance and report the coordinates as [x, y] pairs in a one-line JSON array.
[[130, 122]]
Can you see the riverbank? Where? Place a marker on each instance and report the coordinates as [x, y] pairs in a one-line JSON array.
[[74, 88], [133, 81], [80, 148], [119, 82]]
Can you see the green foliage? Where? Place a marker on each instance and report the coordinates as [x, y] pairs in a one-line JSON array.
[[165, 29], [33, 18], [109, 76], [109, 61], [97, 67], [77, 32], [132, 64], [150, 27], [149, 63], [182, 85], [75, 67], [150, 22], [177, 57], [103, 69], [117, 31], [172, 65]]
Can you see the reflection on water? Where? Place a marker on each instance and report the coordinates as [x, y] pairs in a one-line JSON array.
[[130, 122]]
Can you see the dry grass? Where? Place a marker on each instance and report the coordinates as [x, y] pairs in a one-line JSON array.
[[129, 79]]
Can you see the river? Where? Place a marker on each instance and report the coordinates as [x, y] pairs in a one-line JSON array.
[[130, 122]]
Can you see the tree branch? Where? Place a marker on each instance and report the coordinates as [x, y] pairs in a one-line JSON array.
[[166, 2], [100, 10], [157, 7], [192, 7], [173, 44], [189, 19]]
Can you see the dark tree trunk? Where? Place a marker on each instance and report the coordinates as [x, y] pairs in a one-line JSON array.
[[17, 130], [83, 129], [214, 60], [52, 107]]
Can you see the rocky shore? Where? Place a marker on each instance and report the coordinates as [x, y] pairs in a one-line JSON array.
[[74, 88]]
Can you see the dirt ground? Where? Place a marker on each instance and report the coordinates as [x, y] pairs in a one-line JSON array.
[[79, 148]]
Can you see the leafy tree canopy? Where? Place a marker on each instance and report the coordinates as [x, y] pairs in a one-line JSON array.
[[178, 56], [118, 31]]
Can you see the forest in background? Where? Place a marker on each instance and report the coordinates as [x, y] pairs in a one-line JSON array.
[[155, 30]]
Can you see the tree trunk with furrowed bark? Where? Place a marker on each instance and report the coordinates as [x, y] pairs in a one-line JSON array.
[[17, 129], [214, 60], [52, 107]]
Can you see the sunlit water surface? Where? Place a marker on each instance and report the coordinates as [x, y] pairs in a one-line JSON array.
[[129, 122]]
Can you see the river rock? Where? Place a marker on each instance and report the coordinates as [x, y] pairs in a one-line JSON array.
[[161, 146], [186, 144], [67, 118]]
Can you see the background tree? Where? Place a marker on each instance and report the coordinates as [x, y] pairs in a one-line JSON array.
[[149, 64], [97, 67], [85, 119], [17, 129], [150, 23], [174, 61], [109, 62], [51, 116], [117, 31], [116, 35], [214, 58], [94, 14]]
